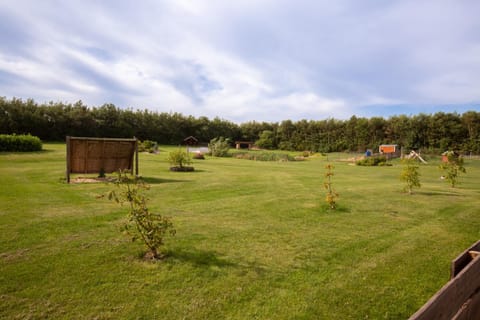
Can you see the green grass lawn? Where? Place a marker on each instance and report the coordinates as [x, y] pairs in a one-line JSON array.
[[255, 240]]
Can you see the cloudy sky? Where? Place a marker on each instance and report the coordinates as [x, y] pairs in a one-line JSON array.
[[245, 60]]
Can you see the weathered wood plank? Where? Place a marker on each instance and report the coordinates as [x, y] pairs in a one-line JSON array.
[[462, 260], [95, 155], [459, 298]]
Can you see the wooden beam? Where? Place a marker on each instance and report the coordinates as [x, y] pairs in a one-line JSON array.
[[68, 159], [462, 260], [136, 157], [474, 253], [448, 301], [459, 298]]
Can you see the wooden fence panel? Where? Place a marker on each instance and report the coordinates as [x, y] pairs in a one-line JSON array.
[[459, 299], [93, 155]]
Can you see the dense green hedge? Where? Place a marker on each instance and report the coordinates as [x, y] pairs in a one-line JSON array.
[[374, 161], [430, 133], [21, 143], [263, 156]]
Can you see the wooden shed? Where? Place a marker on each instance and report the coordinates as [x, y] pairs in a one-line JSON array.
[[96, 155], [388, 148], [190, 141], [243, 144], [448, 154]]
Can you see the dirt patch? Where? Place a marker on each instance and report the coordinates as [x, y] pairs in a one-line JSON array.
[[353, 159], [92, 180], [14, 255]]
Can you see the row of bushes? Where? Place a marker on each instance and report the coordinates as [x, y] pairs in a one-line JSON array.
[[373, 161], [19, 143], [264, 156]]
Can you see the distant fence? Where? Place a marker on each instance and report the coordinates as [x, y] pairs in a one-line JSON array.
[[459, 299], [472, 157], [96, 155]]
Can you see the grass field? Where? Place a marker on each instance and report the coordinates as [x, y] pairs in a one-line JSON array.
[[255, 240]]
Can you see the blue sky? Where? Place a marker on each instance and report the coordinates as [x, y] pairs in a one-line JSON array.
[[246, 60]]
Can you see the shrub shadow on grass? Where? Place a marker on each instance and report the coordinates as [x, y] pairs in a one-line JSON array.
[[39, 152], [193, 171], [325, 208], [210, 259], [198, 258], [198, 170], [153, 180], [342, 209], [43, 151], [438, 193]]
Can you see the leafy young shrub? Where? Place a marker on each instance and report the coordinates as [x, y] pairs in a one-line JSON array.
[[410, 175], [331, 197], [179, 158], [219, 147], [452, 168], [373, 161], [142, 224], [19, 143]]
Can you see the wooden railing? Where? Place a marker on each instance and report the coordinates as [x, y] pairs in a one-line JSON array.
[[459, 299]]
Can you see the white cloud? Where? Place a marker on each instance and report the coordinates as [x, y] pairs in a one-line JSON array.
[[243, 60]]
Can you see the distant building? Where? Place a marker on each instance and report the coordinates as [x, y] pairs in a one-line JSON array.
[[190, 141], [446, 154], [388, 148], [243, 144]]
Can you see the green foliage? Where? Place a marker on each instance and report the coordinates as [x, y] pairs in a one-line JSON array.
[[266, 140], [286, 145], [142, 224], [331, 196], [431, 133], [263, 156], [219, 147], [373, 161], [410, 175], [19, 143], [452, 168], [179, 158], [53, 121], [148, 146]]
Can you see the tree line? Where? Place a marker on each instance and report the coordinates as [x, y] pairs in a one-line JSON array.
[[427, 132]]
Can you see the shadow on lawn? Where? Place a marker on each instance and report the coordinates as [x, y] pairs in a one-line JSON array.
[[44, 151], [152, 180], [438, 193], [207, 259], [199, 258], [39, 152]]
